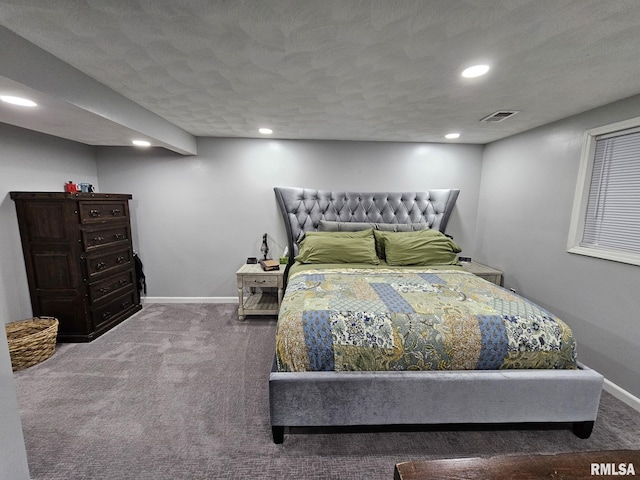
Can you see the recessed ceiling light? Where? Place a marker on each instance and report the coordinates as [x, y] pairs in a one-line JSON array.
[[475, 71], [23, 102], [141, 143], [452, 136], [265, 131]]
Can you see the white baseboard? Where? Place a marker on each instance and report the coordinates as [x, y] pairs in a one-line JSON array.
[[622, 395], [189, 300]]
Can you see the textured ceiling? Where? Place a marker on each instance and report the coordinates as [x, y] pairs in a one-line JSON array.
[[346, 69]]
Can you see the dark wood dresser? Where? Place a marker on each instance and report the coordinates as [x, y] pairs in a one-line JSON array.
[[79, 259]]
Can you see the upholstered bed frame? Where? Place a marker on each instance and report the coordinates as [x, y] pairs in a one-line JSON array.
[[413, 398], [303, 208]]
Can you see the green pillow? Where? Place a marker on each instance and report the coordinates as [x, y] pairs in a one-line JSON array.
[[334, 248], [381, 235], [413, 249]]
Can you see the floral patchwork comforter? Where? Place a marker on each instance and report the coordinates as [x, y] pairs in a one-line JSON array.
[[341, 319]]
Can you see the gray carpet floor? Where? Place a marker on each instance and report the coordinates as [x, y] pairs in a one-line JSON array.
[[180, 392]]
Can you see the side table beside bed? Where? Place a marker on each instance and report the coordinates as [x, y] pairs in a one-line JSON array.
[[488, 273], [259, 301]]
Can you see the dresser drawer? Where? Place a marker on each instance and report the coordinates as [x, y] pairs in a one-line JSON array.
[[260, 281], [92, 239], [104, 289], [108, 262], [110, 310], [97, 212]]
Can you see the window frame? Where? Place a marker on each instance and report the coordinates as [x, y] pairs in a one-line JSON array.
[[581, 198]]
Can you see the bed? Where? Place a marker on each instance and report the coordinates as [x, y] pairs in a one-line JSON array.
[[380, 326]]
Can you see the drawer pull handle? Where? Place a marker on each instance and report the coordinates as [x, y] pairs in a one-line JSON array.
[[116, 212], [259, 281], [104, 290], [106, 315], [101, 266], [98, 239], [121, 259], [94, 213], [120, 236]]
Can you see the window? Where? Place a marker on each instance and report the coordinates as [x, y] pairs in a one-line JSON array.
[[606, 212]]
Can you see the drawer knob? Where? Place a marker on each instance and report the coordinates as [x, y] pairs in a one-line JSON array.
[[106, 315], [94, 213], [101, 266], [120, 236], [121, 259], [116, 212], [98, 239], [104, 289], [124, 304]]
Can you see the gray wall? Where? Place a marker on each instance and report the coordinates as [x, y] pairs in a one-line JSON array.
[[526, 199], [33, 162], [28, 161], [198, 218]]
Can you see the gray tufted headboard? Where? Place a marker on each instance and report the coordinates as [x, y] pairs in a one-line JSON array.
[[303, 208]]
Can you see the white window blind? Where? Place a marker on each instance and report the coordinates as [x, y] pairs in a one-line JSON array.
[[612, 219]]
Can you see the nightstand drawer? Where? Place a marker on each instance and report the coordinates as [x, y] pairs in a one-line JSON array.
[[260, 280], [493, 278]]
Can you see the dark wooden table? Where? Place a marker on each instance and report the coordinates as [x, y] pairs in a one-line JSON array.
[[562, 466]]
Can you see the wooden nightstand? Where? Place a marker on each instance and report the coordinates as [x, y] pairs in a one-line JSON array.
[[488, 273], [259, 301]]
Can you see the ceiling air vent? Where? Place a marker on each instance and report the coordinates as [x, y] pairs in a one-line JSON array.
[[499, 116]]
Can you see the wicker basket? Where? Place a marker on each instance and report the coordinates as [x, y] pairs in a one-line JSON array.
[[31, 341]]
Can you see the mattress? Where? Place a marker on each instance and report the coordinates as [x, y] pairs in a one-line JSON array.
[[338, 318]]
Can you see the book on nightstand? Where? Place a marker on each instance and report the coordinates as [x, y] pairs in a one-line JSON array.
[[268, 265]]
